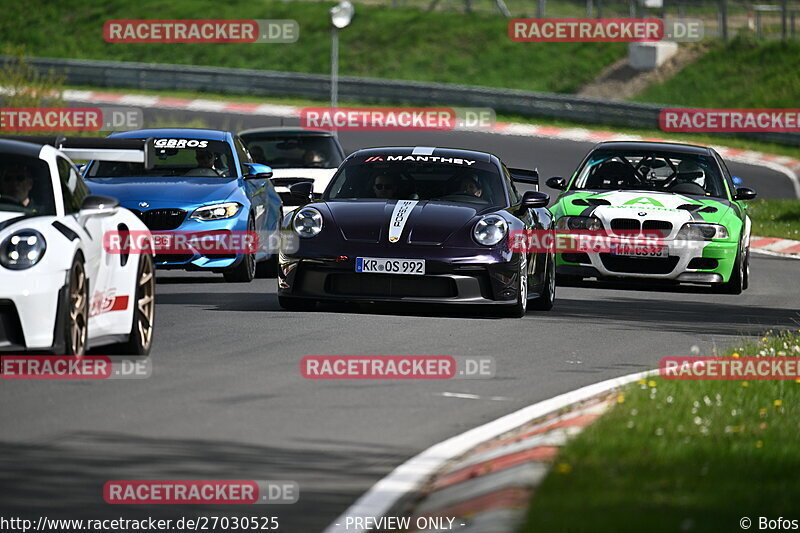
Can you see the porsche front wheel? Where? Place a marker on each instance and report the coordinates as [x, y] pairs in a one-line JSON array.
[[76, 319]]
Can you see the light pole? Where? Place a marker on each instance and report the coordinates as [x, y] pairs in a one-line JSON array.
[[341, 15]]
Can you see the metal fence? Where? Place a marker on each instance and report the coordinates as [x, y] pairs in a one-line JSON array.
[[363, 90]]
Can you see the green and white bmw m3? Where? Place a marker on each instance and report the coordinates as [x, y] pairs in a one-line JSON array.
[[685, 192]]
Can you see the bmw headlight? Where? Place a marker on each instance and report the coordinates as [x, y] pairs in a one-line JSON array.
[[699, 231], [490, 230], [22, 250], [307, 222], [216, 211], [589, 223]]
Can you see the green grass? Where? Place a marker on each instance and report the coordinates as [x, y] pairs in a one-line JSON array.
[[776, 218], [403, 43], [744, 73], [681, 456]]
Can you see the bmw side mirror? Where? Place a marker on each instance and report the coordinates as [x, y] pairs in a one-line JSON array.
[[98, 206], [743, 193], [557, 183], [534, 200], [257, 171], [303, 192]]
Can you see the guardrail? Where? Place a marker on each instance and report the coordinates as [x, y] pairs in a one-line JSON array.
[[149, 76]]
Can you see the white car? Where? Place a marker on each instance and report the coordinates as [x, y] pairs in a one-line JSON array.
[[61, 291], [295, 156]]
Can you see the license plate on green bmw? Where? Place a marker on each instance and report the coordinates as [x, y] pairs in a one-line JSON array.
[[377, 265]]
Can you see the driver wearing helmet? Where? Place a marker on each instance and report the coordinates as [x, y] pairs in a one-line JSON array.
[[16, 184], [691, 172]]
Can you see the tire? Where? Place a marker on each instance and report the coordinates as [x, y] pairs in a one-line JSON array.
[[245, 271], [76, 312], [736, 283], [296, 304], [548, 297], [520, 307], [267, 268], [746, 282], [140, 338]]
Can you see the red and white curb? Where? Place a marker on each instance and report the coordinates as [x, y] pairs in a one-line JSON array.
[[788, 166], [408, 480], [489, 489], [773, 246]]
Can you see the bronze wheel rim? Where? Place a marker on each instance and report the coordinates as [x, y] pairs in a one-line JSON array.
[[78, 307], [145, 304]]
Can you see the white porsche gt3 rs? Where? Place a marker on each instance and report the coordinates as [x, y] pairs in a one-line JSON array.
[[60, 290]]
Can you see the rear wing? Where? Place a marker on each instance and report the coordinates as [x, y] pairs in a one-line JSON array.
[[288, 182], [522, 175], [97, 148]]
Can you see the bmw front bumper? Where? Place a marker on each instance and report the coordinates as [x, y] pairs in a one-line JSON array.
[[697, 262]]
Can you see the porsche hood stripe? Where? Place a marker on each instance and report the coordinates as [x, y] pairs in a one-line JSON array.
[[423, 150], [400, 215]]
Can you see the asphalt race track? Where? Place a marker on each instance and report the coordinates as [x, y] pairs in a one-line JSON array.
[[226, 399]]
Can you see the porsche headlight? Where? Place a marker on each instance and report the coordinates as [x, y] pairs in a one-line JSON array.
[[307, 222], [490, 230], [216, 211], [22, 250], [589, 223], [699, 231]]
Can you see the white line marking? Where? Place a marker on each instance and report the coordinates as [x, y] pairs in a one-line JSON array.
[[207, 105], [410, 476], [467, 396], [139, 100], [774, 254]]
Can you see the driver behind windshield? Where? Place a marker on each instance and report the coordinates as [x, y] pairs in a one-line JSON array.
[[470, 184], [385, 186], [16, 184], [205, 159]]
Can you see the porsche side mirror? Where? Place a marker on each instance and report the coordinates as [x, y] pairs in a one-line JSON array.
[[95, 205], [303, 192], [534, 200], [743, 193], [557, 183]]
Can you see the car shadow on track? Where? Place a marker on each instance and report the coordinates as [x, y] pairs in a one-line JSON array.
[[617, 312], [676, 315], [64, 478], [185, 280]]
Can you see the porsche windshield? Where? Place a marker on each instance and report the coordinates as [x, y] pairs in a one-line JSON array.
[[25, 186], [474, 183], [652, 171], [175, 157]]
